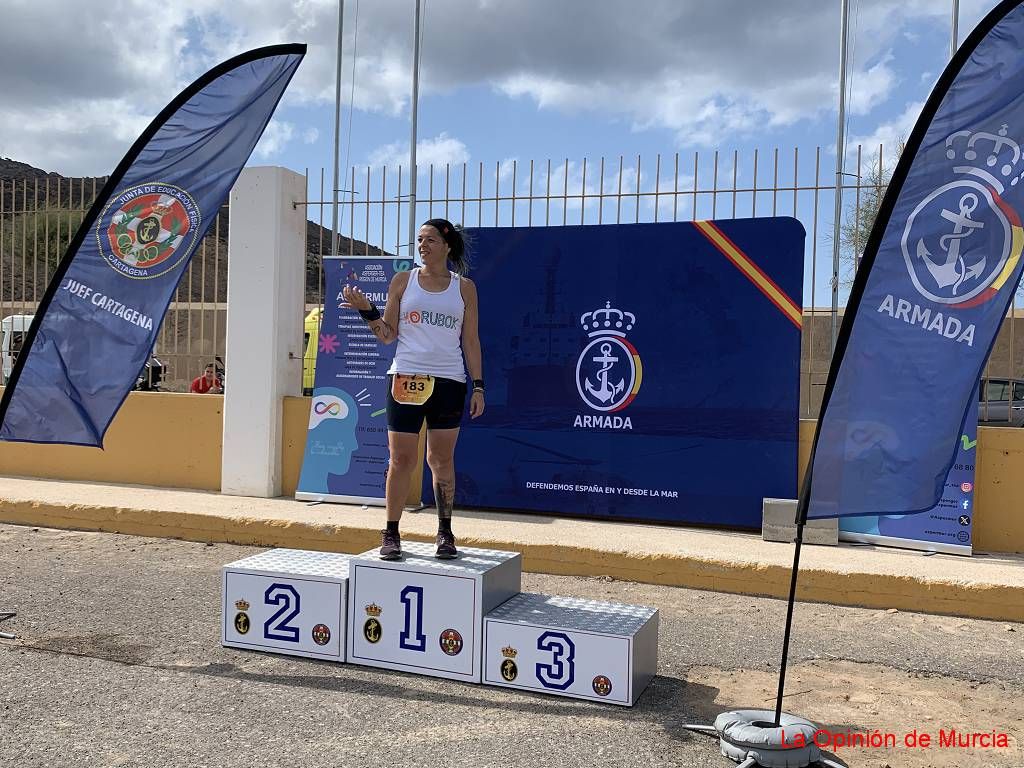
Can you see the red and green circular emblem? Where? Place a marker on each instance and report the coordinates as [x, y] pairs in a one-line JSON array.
[[146, 230]]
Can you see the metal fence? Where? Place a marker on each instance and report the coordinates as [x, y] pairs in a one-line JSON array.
[[38, 217]]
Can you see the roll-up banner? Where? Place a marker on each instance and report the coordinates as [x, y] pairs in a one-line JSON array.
[[946, 527], [346, 455]]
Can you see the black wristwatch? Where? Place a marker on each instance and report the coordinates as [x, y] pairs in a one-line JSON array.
[[478, 385]]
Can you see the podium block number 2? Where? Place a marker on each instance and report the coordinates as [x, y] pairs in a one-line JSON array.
[[277, 627], [561, 672], [412, 638]]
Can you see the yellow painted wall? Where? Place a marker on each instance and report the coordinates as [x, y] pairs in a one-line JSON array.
[[157, 438], [174, 441]]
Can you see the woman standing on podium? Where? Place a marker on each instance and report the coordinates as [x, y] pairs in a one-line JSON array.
[[432, 313]]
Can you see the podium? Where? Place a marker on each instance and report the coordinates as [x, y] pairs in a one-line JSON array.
[[571, 647], [287, 601], [464, 619], [425, 615]]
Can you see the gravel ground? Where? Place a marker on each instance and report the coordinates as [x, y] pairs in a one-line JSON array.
[[118, 662]]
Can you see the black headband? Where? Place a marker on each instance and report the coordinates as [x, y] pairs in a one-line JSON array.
[[446, 228]]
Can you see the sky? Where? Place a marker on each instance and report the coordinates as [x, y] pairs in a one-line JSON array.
[[515, 81]]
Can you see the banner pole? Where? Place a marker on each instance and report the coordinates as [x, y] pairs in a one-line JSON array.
[[337, 133], [789, 620]]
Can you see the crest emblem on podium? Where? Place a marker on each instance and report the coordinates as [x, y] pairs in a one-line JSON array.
[[321, 634], [242, 618], [608, 371], [451, 642], [372, 629], [509, 670], [602, 685]]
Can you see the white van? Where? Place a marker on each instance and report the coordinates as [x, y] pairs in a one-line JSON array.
[[13, 330]]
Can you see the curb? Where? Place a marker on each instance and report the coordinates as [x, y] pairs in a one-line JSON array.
[[859, 589]]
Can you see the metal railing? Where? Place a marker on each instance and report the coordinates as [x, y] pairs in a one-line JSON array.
[[38, 219]]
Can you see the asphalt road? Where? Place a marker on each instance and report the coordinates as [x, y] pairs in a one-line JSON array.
[[118, 662]]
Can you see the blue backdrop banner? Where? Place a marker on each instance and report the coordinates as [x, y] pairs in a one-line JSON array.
[[99, 318], [346, 455], [643, 371], [939, 272]]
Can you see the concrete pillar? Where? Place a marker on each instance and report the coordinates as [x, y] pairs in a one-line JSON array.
[[266, 286]]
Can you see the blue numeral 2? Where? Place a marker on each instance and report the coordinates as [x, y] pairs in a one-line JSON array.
[[277, 627]]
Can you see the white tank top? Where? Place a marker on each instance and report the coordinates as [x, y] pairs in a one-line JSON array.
[[430, 330]]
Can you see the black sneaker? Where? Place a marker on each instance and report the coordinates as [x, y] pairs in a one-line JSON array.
[[390, 545], [446, 546]]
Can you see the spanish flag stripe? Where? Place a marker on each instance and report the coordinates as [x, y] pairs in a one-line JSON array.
[[751, 271]]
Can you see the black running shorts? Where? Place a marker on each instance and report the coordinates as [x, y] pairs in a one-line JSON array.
[[442, 410]]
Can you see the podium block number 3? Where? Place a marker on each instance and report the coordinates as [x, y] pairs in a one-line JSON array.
[[277, 627], [412, 638], [560, 673]]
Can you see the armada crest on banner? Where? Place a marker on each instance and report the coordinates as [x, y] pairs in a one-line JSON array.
[[963, 241], [608, 371]]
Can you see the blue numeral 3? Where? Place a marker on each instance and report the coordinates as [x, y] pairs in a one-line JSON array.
[[561, 672]]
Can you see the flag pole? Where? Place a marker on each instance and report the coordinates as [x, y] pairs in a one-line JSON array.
[[337, 133], [954, 41], [412, 140], [840, 153]]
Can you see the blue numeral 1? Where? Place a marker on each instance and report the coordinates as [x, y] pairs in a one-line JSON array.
[[412, 638], [277, 627], [561, 672]]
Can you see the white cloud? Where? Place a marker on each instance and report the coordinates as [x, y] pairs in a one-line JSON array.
[[437, 151], [310, 136], [277, 134], [888, 135], [699, 69]]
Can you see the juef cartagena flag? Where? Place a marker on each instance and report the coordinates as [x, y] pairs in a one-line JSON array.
[[939, 271], [97, 322]]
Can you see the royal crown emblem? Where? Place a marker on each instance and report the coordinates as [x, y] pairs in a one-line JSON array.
[[242, 605], [608, 371], [509, 652], [373, 610], [962, 242]]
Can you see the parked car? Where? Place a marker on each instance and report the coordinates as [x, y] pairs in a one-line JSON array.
[[310, 338], [13, 330], [1001, 402]]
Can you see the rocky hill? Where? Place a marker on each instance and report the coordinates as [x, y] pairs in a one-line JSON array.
[[40, 212]]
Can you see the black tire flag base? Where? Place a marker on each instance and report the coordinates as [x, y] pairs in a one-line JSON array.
[[751, 738]]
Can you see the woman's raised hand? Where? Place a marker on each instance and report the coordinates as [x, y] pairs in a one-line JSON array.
[[354, 298]]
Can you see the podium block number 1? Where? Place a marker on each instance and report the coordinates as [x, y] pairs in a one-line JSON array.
[[561, 672], [412, 638], [277, 626]]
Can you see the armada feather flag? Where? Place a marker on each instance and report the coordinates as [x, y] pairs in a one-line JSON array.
[[97, 322], [939, 272]]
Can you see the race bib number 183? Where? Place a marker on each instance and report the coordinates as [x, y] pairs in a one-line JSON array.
[[412, 389]]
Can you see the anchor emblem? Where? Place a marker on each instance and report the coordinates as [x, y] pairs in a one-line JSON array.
[[953, 271], [606, 391]]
